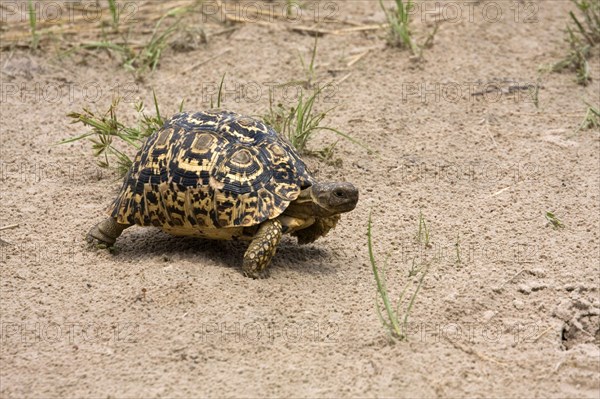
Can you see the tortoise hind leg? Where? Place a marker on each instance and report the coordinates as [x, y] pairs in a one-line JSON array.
[[106, 232], [262, 248]]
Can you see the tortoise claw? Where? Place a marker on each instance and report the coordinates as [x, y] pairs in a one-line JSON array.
[[257, 274], [97, 242]]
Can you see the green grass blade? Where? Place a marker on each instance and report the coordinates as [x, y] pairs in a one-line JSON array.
[[383, 293], [412, 300], [33, 24], [156, 107], [311, 68], [401, 297], [114, 12], [581, 28], [220, 91], [76, 138], [384, 322], [347, 137], [105, 45]]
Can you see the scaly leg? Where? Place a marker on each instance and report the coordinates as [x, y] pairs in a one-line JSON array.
[[106, 232], [261, 249]]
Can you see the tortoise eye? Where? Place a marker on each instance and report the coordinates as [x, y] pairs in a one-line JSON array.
[[339, 193]]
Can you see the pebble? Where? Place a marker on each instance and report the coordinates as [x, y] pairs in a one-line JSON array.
[[487, 315], [528, 288], [539, 272]]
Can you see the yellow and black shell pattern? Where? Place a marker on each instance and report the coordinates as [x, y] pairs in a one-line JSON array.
[[210, 170]]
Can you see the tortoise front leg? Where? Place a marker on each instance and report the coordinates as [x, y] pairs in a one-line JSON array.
[[261, 249], [106, 232]]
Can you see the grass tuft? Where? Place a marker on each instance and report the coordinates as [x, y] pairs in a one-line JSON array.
[[114, 12], [591, 119], [576, 60], [399, 34], [590, 27], [395, 319], [140, 60], [300, 122], [309, 70], [106, 128], [554, 221], [581, 40], [289, 6], [219, 93], [149, 56], [422, 235]]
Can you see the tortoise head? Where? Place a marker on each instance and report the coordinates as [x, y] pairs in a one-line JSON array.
[[324, 200]]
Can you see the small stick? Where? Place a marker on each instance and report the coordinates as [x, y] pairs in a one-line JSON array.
[[339, 82], [205, 61], [358, 29], [341, 22], [512, 278], [487, 128], [357, 58], [10, 226], [311, 31], [542, 334], [504, 189], [500, 191], [558, 366], [321, 32], [471, 351], [7, 60], [222, 32], [240, 19]]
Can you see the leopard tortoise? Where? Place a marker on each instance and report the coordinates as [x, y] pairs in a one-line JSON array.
[[221, 175]]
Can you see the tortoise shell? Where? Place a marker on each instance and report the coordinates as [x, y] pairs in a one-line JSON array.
[[210, 170]]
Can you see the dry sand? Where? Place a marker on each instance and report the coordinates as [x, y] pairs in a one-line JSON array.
[[173, 317]]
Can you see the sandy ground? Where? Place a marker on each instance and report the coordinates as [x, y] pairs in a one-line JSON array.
[[173, 317]]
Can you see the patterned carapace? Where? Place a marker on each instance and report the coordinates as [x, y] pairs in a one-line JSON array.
[[210, 170]]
